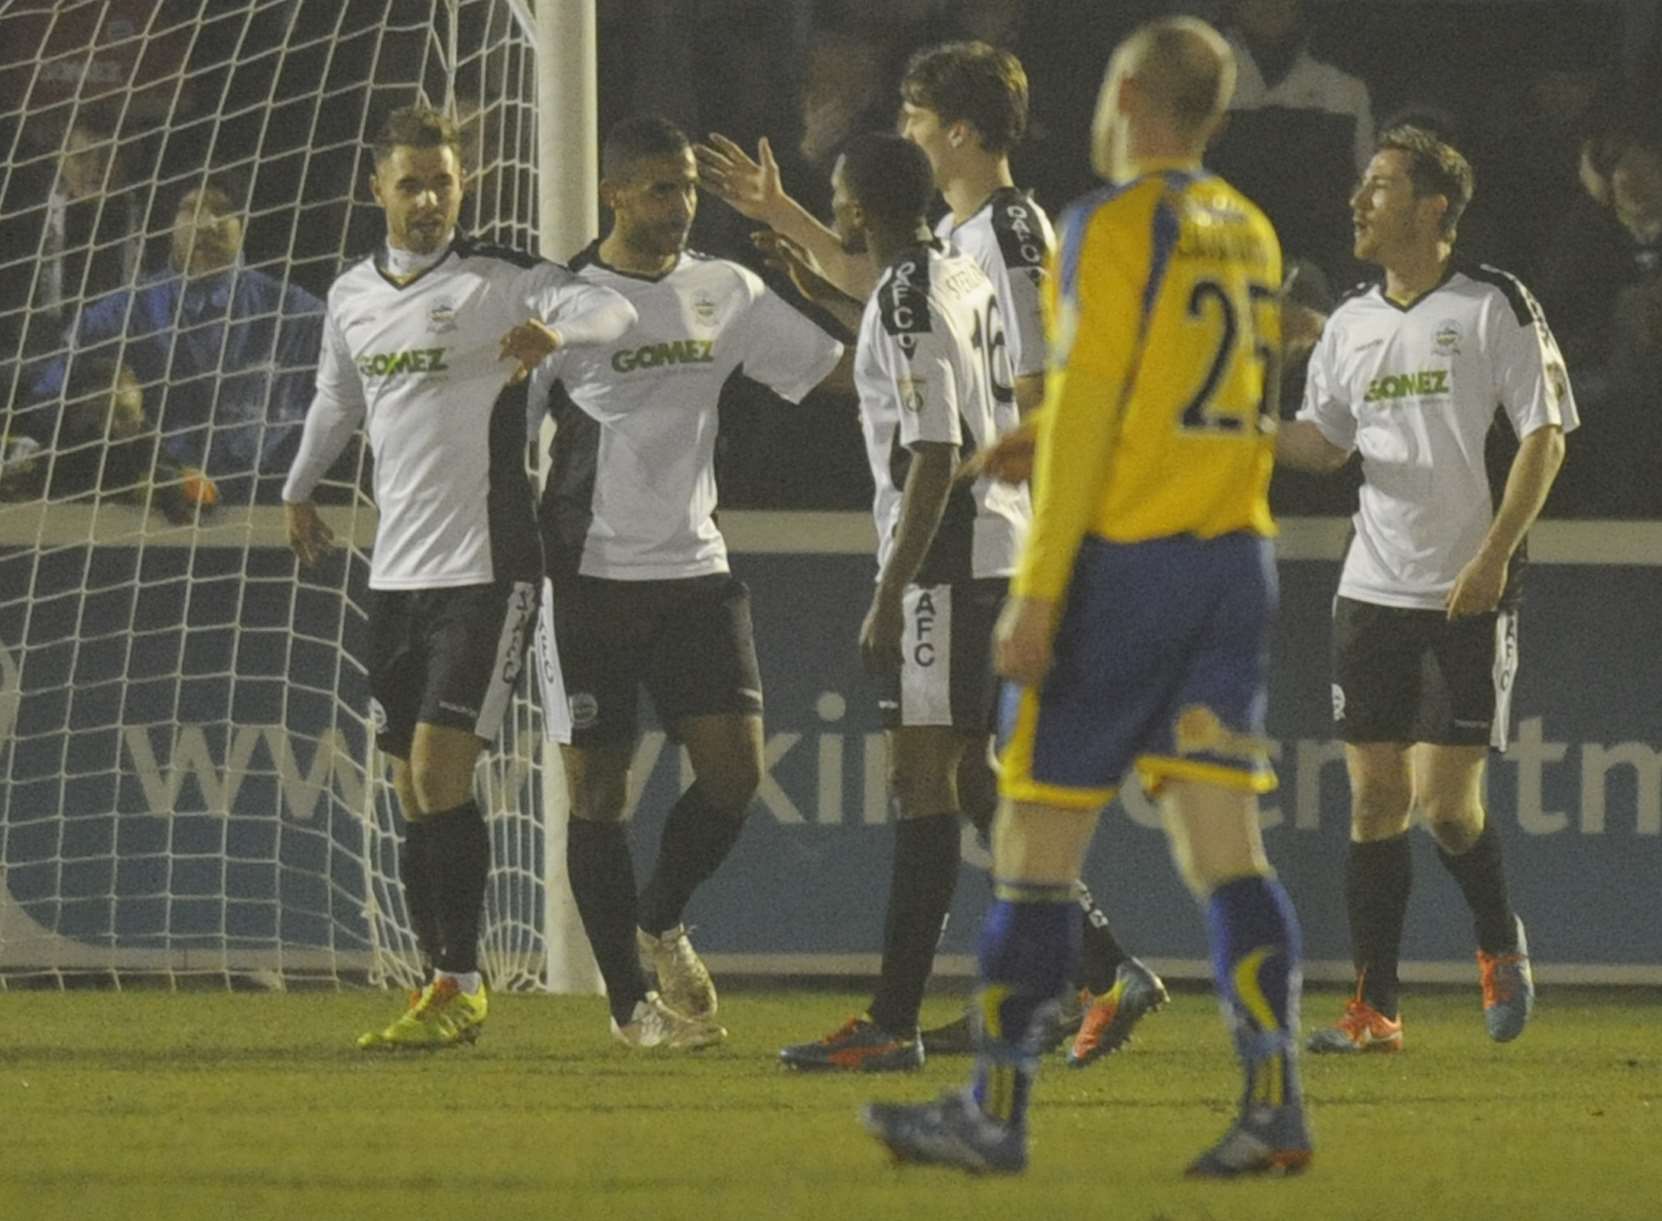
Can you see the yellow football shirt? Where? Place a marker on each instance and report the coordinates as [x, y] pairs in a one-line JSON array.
[[1159, 415]]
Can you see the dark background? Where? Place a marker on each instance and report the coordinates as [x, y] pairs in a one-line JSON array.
[[283, 92]]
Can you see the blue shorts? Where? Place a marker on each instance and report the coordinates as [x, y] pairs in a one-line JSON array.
[[1161, 663]]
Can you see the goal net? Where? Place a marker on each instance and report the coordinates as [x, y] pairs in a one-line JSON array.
[[188, 785]]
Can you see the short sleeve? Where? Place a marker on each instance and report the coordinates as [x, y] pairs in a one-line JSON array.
[[914, 351], [782, 348], [1325, 404], [1024, 244], [1530, 379]]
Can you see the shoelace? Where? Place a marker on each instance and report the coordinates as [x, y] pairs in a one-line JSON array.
[[435, 997]]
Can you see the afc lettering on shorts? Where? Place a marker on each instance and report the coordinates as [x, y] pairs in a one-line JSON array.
[[921, 618], [926, 652]]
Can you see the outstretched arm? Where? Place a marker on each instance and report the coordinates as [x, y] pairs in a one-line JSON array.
[[753, 188]]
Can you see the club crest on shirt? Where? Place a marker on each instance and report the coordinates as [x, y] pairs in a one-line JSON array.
[[441, 317], [1447, 338], [911, 393], [1558, 381], [704, 309]]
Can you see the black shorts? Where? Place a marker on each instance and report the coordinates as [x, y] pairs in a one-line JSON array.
[[447, 657], [946, 670], [689, 642], [1408, 675]]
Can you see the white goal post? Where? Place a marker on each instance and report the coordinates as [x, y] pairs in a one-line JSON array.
[[187, 783]]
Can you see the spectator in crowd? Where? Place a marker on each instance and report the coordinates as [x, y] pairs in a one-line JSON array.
[[1626, 377], [94, 222], [227, 351], [104, 444], [70, 231], [1293, 110]]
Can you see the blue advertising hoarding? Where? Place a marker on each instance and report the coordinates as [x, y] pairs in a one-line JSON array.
[[182, 749]]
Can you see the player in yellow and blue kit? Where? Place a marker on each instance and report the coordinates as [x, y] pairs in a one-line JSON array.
[[1137, 630]]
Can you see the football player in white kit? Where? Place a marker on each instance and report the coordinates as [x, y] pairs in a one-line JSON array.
[[933, 383], [414, 351], [1409, 371], [965, 104], [640, 590]]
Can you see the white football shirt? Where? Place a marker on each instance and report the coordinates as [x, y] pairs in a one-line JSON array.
[[631, 495], [417, 365], [1010, 238], [931, 366], [1416, 389]]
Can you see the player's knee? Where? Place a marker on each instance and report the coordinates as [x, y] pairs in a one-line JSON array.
[[919, 791], [437, 788], [1191, 871], [596, 811], [731, 784], [408, 802], [1455, 825], [598, 802], [1379, 810]]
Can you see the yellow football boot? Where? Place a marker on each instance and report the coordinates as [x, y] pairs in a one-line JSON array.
[[442, 1016]]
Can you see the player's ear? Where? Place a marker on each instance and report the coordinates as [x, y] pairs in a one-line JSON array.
[[1436, 207], [959, 133]]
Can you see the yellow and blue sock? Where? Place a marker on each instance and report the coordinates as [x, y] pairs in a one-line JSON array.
[[1029, 941], [1255, 961]]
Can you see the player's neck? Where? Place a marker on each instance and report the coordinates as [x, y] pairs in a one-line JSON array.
[[885, 246], [968, 187], [1409, 276], [405, 265], [1152, 148], [620, 255]]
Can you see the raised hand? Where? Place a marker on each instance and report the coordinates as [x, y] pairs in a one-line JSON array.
[[751, 187], [796, 261]]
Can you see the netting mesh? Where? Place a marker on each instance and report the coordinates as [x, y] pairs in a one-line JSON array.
[[186, 781]]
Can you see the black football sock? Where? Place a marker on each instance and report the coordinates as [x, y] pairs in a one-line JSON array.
[[603, 884], [459, 861], [696, 840], [1100, 953], [1482, 880], [1378, 876], [415, 871], [978, 791], [920, 892]]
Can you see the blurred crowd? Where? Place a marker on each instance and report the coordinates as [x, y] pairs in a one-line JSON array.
[[1558, 106], [156, 343]]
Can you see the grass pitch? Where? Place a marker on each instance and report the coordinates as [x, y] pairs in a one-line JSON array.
[[209, 1105]]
